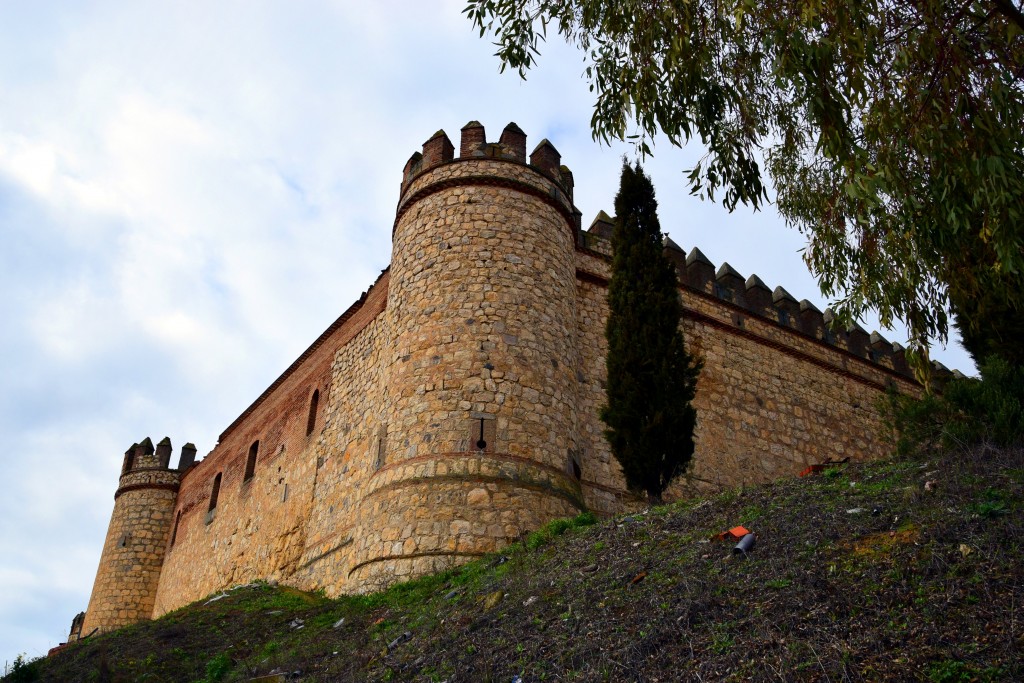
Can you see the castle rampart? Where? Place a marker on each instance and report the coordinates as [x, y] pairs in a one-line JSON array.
[[261, 525], [455, 405]]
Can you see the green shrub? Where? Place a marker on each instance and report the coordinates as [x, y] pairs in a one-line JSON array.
[[969, 411], [218, 667], [557, 527], [949, 671], [23, 671], [995, 504], [990, 409], [584, 519]]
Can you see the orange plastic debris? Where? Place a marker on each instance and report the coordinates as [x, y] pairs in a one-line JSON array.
[[821, 467], [736, 533]]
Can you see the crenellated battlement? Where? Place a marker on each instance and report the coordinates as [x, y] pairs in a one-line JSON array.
[[473, 145], [148, 467], [144, 456], [778, 306]]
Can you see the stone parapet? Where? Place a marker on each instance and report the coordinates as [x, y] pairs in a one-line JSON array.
[[148, 478], [698, 274], [499, 174]]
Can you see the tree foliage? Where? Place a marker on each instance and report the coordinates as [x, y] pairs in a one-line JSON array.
[[892, 130], [969, 412], [651, 377]]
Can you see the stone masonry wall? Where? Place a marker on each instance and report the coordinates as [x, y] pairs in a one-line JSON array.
[[345, 455], [259, 527], [771, 399]]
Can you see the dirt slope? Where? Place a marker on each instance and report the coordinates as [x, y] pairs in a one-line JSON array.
[[906, 570]]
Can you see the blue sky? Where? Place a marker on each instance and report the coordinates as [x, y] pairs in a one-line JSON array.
[[191, 192]]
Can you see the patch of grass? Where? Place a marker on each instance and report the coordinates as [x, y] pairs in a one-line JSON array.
[[877, 487], [835, 472], [751, 513], [264, 598], [995, 503], [722, 643], [218, 667], [990, 509], [557, 527], [956, 671]]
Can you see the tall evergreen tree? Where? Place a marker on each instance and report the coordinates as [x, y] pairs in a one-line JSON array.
[[651, 377]]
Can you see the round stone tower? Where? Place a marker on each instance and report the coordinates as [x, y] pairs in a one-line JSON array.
[[137, 538], [476, 439]]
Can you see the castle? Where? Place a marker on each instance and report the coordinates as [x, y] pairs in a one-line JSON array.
[[455, 404]]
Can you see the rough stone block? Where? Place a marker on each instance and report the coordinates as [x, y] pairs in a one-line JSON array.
[[474, 137], [514, 140], [700, 272]]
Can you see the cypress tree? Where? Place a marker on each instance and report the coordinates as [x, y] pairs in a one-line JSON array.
[[651, 378]]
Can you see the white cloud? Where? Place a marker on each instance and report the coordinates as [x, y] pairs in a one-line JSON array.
[[34, 165]]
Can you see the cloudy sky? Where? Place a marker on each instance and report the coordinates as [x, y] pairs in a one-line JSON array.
[[191, 192]]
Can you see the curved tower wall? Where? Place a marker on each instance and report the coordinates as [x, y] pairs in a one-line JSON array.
[[137, 537], [478, 423]]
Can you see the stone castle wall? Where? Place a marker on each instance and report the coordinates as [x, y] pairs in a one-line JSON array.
[[455, 406], [778, 391], [260, 525]]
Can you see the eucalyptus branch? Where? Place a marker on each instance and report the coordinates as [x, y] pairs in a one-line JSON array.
[[1007, 9]]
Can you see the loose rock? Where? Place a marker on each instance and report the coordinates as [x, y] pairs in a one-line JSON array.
[[399, 640], [493, 599]]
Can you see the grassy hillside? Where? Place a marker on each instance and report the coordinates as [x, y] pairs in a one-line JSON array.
[[905, 570]]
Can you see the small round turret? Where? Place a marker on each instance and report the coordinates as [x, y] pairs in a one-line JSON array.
[[137, 536]]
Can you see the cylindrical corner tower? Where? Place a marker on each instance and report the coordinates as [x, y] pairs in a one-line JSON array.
[[477, 432], [137, 537]]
